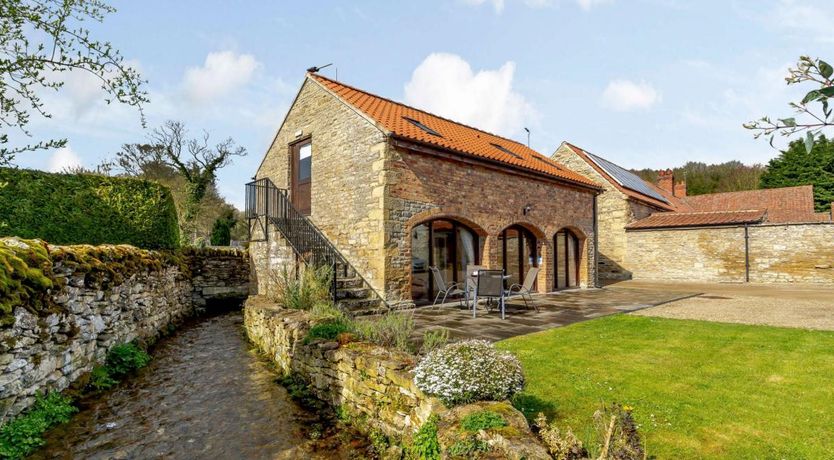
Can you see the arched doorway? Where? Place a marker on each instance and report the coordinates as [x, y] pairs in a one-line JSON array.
[[566, 259], [443, 243], [518, 253]]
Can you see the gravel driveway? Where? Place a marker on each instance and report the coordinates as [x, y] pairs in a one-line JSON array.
[[808, 307]]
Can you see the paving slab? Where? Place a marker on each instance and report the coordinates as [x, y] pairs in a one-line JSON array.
[[554, 310]]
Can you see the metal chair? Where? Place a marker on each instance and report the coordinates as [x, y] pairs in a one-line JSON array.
[[526, 288], [469, 284], [490, 285], [442, 288]]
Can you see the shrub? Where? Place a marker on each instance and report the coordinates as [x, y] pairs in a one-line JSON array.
[[433, 339], [562, 446], [326, 311], [468, 447], [100, 379], [22, 435], [87, 209], [472, 370], [302, 292], [482, 420], [329, 330], [425, 445], [392, 329], [125, 358]]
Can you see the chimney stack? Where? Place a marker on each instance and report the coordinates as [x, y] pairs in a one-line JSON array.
[[666, 181]]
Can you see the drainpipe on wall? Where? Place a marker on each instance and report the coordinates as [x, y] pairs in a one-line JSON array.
[[596, 245], [746, 254]]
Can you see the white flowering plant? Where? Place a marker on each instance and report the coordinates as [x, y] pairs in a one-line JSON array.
[[468, 371]]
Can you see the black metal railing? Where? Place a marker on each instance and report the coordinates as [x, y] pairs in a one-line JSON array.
[[268, 205]]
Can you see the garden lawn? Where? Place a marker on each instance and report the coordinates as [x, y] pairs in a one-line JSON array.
[[699, 389]]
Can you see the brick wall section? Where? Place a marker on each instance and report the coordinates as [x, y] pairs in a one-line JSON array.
[[799, 253], [615, 211], [347, 163], [422, 186]]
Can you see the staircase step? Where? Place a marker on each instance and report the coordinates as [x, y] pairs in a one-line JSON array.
[[361, 306], [353, 293], [346, 283]]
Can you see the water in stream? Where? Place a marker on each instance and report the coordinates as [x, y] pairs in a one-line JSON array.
[[204, 395]]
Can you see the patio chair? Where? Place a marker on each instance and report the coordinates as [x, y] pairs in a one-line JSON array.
[[442, 288], [524, 290], [470, 284], [490, 285]]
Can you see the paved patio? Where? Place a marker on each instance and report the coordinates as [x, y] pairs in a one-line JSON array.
[[555, 310]]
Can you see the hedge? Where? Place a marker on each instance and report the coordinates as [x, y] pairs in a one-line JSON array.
[[86, 209]]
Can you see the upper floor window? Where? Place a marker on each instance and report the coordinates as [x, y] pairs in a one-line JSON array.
[[305, 159]]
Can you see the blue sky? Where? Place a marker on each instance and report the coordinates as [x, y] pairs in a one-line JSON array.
[[644, 83]]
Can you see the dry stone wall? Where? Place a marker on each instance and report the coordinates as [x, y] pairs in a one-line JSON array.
[[97, 302], [796, 253], [370, 381]]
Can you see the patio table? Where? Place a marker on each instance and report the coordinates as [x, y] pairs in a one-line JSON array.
[[489, 300]]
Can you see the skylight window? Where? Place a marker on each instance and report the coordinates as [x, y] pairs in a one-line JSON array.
[[422, 126], [506, 150]]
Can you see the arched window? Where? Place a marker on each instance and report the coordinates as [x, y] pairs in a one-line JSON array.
[[518, 252], [443, 243], [566, 259]]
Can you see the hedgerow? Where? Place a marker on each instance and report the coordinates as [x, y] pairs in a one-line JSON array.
[[87, 209]]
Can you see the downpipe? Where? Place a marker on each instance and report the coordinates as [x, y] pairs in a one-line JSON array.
[[746, 253]]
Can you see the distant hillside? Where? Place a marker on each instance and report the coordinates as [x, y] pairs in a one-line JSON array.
[[702, 178]]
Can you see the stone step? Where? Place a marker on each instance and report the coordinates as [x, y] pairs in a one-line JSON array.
[[347, 283], [361, 306], [352, 293]]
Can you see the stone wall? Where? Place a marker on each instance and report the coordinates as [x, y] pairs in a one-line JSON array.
[[421, 186], [104, 296], [615, 211], [800, 253], [346, 200], [366, 195], [365, 380]]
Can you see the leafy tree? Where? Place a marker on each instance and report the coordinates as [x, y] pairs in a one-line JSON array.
[[813, 110], [702, 178], [797, 166], [39, 41], [192, 159], [221, 231]]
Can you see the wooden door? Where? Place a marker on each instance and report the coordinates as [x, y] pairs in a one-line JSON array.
[[302, 177]]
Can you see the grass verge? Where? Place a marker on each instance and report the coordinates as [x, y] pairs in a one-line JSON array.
[[699, 389]]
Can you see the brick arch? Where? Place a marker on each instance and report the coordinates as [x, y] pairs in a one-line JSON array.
[[583, 254], [444, 213], [533, 228]]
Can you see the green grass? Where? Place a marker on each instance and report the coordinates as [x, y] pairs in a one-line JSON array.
[[699, 389]]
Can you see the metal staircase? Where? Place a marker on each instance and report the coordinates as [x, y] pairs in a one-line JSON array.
[[268, 205]]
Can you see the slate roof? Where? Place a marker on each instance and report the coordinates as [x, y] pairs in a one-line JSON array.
[[669, 203], [398, 119]]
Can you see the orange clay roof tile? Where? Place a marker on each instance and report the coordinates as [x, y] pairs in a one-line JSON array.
[[698, 219], [453, 136]]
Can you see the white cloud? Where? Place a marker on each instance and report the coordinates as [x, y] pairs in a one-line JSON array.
[[222, 73], [588, 4], [626, 95], [445, 84], [498, 5], [802, 19], [63, 158]]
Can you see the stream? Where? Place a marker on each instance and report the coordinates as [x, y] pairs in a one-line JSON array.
[[205, 394]]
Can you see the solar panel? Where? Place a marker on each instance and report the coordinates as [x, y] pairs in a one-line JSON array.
[[626, 178]]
